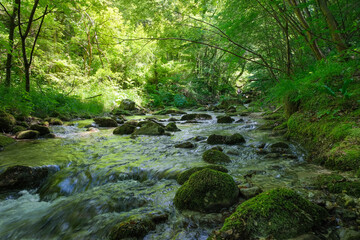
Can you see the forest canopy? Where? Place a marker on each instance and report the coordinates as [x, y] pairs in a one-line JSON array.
[[83, 57]]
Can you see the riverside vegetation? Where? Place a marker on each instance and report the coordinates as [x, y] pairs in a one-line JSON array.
[[180, 119]]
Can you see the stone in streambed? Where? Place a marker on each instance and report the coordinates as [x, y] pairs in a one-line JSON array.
[[127, 105], [41, 129], [185, 145], [225, 119], [22, 177], [7, 122], [171, 127], [196, 116], [251, 192], [215, 156], [28, 134], [5, 140], [18, 128], [124, 129], [184, 176], [105, 122], [234, 139], [151, 129], [54, 121], [279, 214], [207, 191]]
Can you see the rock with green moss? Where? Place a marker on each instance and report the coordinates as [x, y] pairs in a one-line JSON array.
[[338, 184], [185, 145], [5, 140], [120, 112], [171, 127], [124, 129], [196, 116], [151, 129], [184, 176], [277, 214], [105, 122], [41, 129], [215, 156], [207, 191], [225, 119], [7, 122], [137, 227], [18, 128], [54, 121], [28, 134], [170, 111], [236, 138], [127, 104]]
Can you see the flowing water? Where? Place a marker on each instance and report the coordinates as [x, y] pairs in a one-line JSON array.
[[101, 179]]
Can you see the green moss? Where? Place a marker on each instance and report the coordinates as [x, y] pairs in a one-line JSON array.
[[132, 228], [207, 191], [172, 111], [215, 156], [338, 184], [184, 176], [4, 140], [124, 129], [18, 128], [54, 121], [105, 122], [279, 213], [7, 121]]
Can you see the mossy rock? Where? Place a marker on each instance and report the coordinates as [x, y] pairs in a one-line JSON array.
[[54, 121], [215, 156], [225, 119], [338, 184], [185, 145], [41, 129], [216, 139], [28, 134], [132, 228], [151, 129], [277, 214], [234, 139], [18, 128], [127, 104], [184, 176], [7, 122], [196, 116], [171, 127], [124, 129], [132, 123], [170, 111], [207, 191], [105, 122], [120, 112], [5, 140]]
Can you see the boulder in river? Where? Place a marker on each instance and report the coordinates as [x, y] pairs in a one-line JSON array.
[[278, 213], [184, 176], [215, 156], [236, 138], [151, 129], [196, 116], [170, 111], [28, 134], [54, 121], [251, 192], [7, 122], [124, 129], [225, 119], [18, 128], [171, 127], [22, 177], [5, 140], [207, 191], [127, 104], [41, 129], [185, 145], [279, 147], [105, 122]]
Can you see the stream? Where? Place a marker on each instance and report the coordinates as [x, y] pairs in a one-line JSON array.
[[100, 179]]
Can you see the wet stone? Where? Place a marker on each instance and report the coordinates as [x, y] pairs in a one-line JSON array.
[[185, 145], [105, 122], [248, 193], [196, 116], [28, 134]]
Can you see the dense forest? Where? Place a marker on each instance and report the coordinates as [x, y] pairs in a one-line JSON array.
[[285, 69]]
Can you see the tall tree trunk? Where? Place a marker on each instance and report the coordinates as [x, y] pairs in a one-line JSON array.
[[9, 56], [333, 26], [309, 36]]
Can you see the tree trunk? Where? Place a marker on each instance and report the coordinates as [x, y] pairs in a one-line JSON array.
[[27, 77], [9, 56], [333, 26]]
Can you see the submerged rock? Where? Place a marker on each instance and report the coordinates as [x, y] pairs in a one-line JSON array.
[[124, 129], [171, 127], [184, 176], [151, 129], [7, 122], [196, 116], [234, 139], [28, 134], [105, 122], [41, 129], [185, 145], [22, 177], [127, 104], [207, 191], [279, 214], [215, 156], [225, 119]]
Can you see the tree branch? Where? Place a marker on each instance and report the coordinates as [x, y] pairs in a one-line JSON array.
[[37, 35]]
